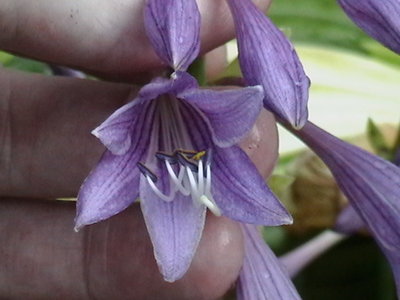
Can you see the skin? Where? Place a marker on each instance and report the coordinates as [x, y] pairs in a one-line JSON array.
[[47, 151]]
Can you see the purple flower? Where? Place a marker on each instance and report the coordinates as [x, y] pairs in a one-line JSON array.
[[173, 27], [348, 221], [173, 146], [397, 157], [378, 18], [262, 276], [267, 58], [371, 184], [299, 258]]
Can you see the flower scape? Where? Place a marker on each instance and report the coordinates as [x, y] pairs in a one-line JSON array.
[[174, 147]]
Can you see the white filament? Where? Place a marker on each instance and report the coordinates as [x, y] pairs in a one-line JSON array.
[[169, 124], [177, 180], [194, 184], [158, 192]]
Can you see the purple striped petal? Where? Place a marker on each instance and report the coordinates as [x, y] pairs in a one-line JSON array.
[[378, 18], [397, 157], [230, 114], [116, 132], [262, 276], [240, 191], [175, 230], [371, 184], [267, 58], [348, 221], [121, 130], [237, 187], [110, 188], [299, 258], [114, 184], [173, 27]]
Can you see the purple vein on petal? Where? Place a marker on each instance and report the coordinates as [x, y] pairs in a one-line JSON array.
[[378, 18], [238, 189], [175, 230], [267, 58], [262, 276], [173, 27], [114, 183], [230, 113], [371, 184]]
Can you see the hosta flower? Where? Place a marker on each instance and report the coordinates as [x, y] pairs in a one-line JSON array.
[[397, 157], [173, 146], [348, 221], [371, 184], [262, 276], [378, 18], [299, 258], [267, 58]]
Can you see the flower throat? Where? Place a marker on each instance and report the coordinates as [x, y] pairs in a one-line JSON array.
[[189, 171]]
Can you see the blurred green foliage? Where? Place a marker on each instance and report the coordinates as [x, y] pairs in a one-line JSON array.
[[323, 22], [23, 64]]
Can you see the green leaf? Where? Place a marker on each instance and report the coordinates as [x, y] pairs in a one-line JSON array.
[[5, 57], [323, 22], [231, 71], [317, 21], [28, 65], [377, 140], [197, 70], [346, 88], [376, 50]]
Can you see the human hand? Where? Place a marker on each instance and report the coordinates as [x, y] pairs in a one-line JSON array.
[[47, 151]]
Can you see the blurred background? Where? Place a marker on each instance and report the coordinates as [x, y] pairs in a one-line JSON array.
[[355, 94], [354, 79]]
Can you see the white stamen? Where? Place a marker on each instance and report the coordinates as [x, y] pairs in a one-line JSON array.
[[192, 181], [171, 133], [200, 176], [210, 205], [177, 180], [208, 181], [158, 192]]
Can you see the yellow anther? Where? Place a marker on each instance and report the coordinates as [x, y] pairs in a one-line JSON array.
[[198, 155]]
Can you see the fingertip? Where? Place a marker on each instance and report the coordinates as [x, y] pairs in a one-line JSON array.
[[261, 143], [218, 260]]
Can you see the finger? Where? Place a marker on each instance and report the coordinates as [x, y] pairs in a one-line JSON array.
[[215, 62], [261, 143], [43, 258], [47, 148], [45, 124], [101, 36]]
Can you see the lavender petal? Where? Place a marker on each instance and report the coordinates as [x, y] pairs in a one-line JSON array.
[[173, 27], [241, 192], [237, 187], [397, 157], [380, 19], [230, 114], [348, 221], [175, 230], [115, 132], [180, 82], [262, 276], [122, 129], [267, 58], [110, 188], [299, 258], [371, 184]]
